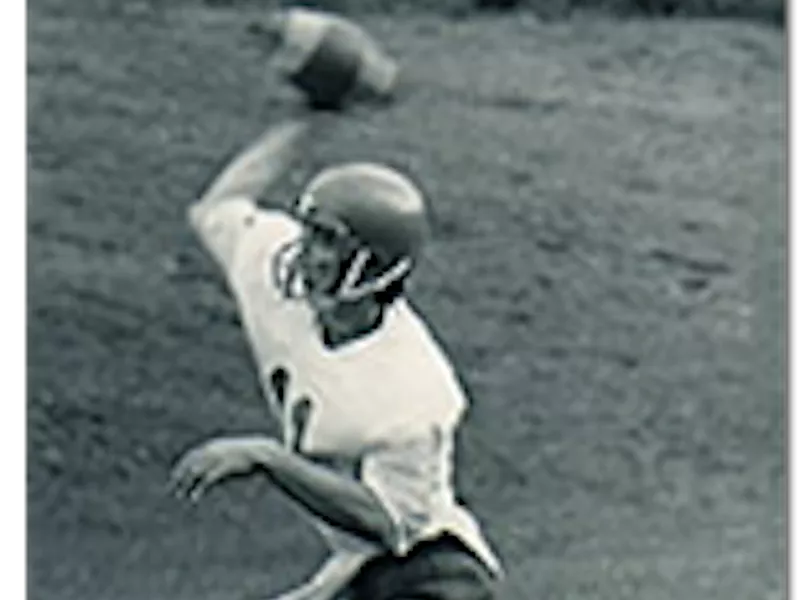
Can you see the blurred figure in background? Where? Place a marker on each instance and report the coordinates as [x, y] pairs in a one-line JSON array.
[[330, 59]]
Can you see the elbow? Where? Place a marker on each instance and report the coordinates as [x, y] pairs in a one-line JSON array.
[[397, 526], [379, 527], [398, 535], [407, 528], [194, 215], [199, 217], [392, 536], [397, 541]]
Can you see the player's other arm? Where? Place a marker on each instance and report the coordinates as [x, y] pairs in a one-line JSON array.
[[228, 205], [342, 501], [387, 507], [338, 499], [390, 503]]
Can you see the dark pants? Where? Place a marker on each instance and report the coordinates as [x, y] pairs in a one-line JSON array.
[[439, 569]]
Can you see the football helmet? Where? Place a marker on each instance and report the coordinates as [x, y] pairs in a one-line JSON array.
[[379, 211]]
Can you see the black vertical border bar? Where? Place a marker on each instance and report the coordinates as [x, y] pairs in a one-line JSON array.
[[22, 304]]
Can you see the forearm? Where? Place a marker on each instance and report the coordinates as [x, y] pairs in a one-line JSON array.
[[257, 167], [337, 499]]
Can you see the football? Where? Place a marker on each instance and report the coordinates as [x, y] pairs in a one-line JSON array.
[[331, 60]]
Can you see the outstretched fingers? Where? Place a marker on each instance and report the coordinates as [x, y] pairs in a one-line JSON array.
[[193, 474], [206, 480]]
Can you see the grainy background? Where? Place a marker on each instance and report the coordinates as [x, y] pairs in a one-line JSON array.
[[608, 274]]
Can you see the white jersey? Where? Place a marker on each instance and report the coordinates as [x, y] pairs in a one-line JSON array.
[[384, 407]]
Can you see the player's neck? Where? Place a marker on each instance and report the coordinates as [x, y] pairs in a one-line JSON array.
[[349, 322]]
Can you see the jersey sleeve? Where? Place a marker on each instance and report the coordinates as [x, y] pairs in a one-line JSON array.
[[238, 226], [409, 478], [222, 226]]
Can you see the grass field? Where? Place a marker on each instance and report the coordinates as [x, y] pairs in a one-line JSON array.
[[608, 275]]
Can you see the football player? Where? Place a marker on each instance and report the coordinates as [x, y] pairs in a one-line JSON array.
[[368, 403]]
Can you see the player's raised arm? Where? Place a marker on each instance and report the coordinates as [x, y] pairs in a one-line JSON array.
[[227, 207]]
